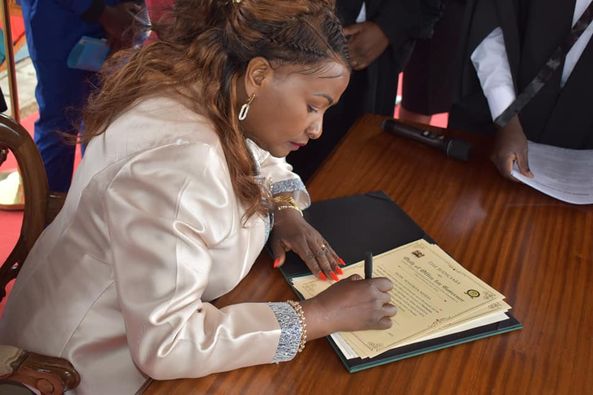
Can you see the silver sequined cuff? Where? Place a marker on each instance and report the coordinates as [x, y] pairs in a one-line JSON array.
[[292, 185], [290, 331]]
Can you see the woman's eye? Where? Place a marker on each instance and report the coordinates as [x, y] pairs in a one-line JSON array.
[[311, 108]]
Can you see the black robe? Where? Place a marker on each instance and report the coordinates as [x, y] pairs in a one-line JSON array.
[[428, 81], [374, 89], [533, 29]]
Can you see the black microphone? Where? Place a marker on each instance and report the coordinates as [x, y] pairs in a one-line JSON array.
[[453, 148]]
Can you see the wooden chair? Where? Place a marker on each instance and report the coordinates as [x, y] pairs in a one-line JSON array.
[[49, 375]]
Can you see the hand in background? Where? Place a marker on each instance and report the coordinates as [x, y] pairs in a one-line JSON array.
[[366, 43], [293, 233], [511, 146], [118, 22], [352, 304]]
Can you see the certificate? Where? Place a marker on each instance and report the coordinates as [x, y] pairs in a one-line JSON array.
[[433, 294]]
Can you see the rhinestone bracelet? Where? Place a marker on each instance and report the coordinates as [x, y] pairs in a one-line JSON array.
[[280, 208], [299, 310]]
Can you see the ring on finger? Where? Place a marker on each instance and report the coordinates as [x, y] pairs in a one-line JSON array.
[[322, 251]]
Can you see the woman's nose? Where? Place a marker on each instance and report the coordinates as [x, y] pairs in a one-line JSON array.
[[314, 131]]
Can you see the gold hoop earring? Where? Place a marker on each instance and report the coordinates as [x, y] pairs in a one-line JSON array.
[[245, 108]]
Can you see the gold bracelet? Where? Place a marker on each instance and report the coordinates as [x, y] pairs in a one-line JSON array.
[[280, 208], [284, 200], [299, 310]]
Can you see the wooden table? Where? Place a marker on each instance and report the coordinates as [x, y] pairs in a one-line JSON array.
[[534, 249]]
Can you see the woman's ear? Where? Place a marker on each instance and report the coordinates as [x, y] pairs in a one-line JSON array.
[[257, 72]]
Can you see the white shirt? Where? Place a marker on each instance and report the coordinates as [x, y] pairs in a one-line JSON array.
[[492, 65], [120, 283], [362, 15]]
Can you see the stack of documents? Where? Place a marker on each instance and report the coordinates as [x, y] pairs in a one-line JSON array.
[[434, 294], [564, 174]]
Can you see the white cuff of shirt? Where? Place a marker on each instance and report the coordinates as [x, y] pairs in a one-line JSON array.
[[492, 67], [499, 98]]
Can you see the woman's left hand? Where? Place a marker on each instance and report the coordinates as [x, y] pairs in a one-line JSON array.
[[292, 232]]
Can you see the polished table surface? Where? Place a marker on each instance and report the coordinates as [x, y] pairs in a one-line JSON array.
[[535, 250]]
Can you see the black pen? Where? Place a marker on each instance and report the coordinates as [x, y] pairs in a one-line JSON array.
[[368, 265]]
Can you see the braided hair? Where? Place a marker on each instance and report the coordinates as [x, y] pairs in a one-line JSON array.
[[203, 49]]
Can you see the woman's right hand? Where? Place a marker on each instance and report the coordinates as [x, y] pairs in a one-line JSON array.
[[351, 304]]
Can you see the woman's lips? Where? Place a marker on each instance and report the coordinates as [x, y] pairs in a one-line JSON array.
[[297, 145]]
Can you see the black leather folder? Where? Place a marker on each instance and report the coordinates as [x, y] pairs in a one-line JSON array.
[[373, 222]]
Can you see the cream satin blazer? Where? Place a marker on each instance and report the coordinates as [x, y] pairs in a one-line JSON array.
[[151, 231]]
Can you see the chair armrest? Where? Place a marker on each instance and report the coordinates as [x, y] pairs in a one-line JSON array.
[[49, 375]]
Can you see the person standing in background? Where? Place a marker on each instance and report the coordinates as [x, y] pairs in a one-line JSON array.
[[507, 45], [381, 36], [429, 77], [52, 29]]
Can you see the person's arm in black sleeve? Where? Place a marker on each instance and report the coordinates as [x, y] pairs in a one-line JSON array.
[[404, 20]]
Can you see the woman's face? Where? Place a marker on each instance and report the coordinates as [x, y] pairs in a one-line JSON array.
[[288, 107]]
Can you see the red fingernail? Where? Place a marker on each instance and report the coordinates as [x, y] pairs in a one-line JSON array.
[[276, 263], [322, 277], [341, 262], [333, 276], [339, 271]]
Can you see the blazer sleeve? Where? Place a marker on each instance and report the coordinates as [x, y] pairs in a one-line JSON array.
[[166, 209]]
